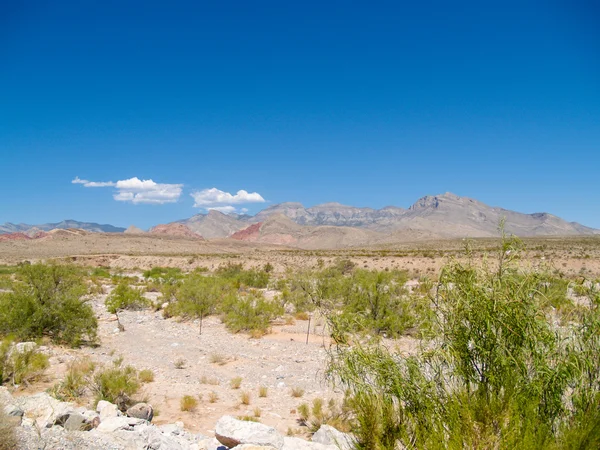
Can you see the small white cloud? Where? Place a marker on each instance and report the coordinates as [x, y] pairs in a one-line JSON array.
[[137, 191], [87, 183], [210, 198]]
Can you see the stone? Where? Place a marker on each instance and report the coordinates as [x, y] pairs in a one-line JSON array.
[[232, 432], [77, 422], [107, 410], [328, 435], [294, 443], [141, 411], [113, 424]]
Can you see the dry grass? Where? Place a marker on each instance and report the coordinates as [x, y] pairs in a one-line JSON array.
[[146, 376], [236, 382], [8, 439], [245, 398], [188, 403], [218, 358], [297, 392], [213, 397], [209, 380], [180, 363], [262, 391]]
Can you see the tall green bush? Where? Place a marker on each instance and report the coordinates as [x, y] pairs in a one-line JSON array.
[[495, 372], [48, 300]]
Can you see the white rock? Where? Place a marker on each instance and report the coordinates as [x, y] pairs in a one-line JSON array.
[[293, 443], [231, 432], [328, 435], [113, 424], [107, 410]]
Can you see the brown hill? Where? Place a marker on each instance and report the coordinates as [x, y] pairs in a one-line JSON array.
[[279, 229], [14, 237], [133, 230], [175, 229]]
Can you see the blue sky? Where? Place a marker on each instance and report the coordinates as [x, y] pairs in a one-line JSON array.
[[363, 103]]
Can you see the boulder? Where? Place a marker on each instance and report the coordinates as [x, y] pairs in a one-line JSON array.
[[232, 432], [141, 411], [77, 422], [294, 443], [327, 435], [113, 424], [107, 410]]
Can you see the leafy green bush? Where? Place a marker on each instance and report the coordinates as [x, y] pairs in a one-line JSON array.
[[125, 297], [236, 274], [250, 312], [48, 300], [74, 385], [199, 296], [117, 385], [495, 372]]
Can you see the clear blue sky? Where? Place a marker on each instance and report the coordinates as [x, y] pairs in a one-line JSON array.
[[363, 103]]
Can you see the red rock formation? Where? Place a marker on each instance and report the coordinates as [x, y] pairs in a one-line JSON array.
[[14, 237], [252, 233]]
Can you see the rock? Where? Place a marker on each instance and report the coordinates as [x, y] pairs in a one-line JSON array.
[[141, 411], [252, 447], [107, 410], [231, 432], [113, 424], [44, 409], [293, 443], [328, 435], [77, 422]]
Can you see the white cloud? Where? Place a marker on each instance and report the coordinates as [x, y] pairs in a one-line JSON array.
[[211, 198], [87, 183], [137, 191]]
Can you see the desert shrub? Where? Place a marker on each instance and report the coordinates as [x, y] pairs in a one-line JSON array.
[[199, 295], [376, 302], [235, 382], [236, 274], [76, 380], [8, 437], [146, 376], [117, 385], [495, 372], [164, 274], [48, 300], [245, 398], [23, 366], [250, 312], [188, 403], [263, 391], [100, 272], [125, 297]]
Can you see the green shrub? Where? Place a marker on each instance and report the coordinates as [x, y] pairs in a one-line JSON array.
[[495, 371], [117, 385], [236, 274], [250, 312], [199, 295], [125, 297], [19, 367], [76, 380], [48, 300]]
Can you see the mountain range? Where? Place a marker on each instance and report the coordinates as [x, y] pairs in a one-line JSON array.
[[334, 225], [65, 224]]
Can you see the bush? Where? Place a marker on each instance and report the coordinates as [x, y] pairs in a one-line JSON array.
[[117, 385], [19, 367], [198, 296], [76, 381], [188, 403], [495, 371], [48, 300], [146, 376], [250, 313], [236, 274], [125, 297]]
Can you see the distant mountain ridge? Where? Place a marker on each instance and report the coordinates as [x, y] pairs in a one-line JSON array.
[[444, 215], [437, 216], [65, 224]]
